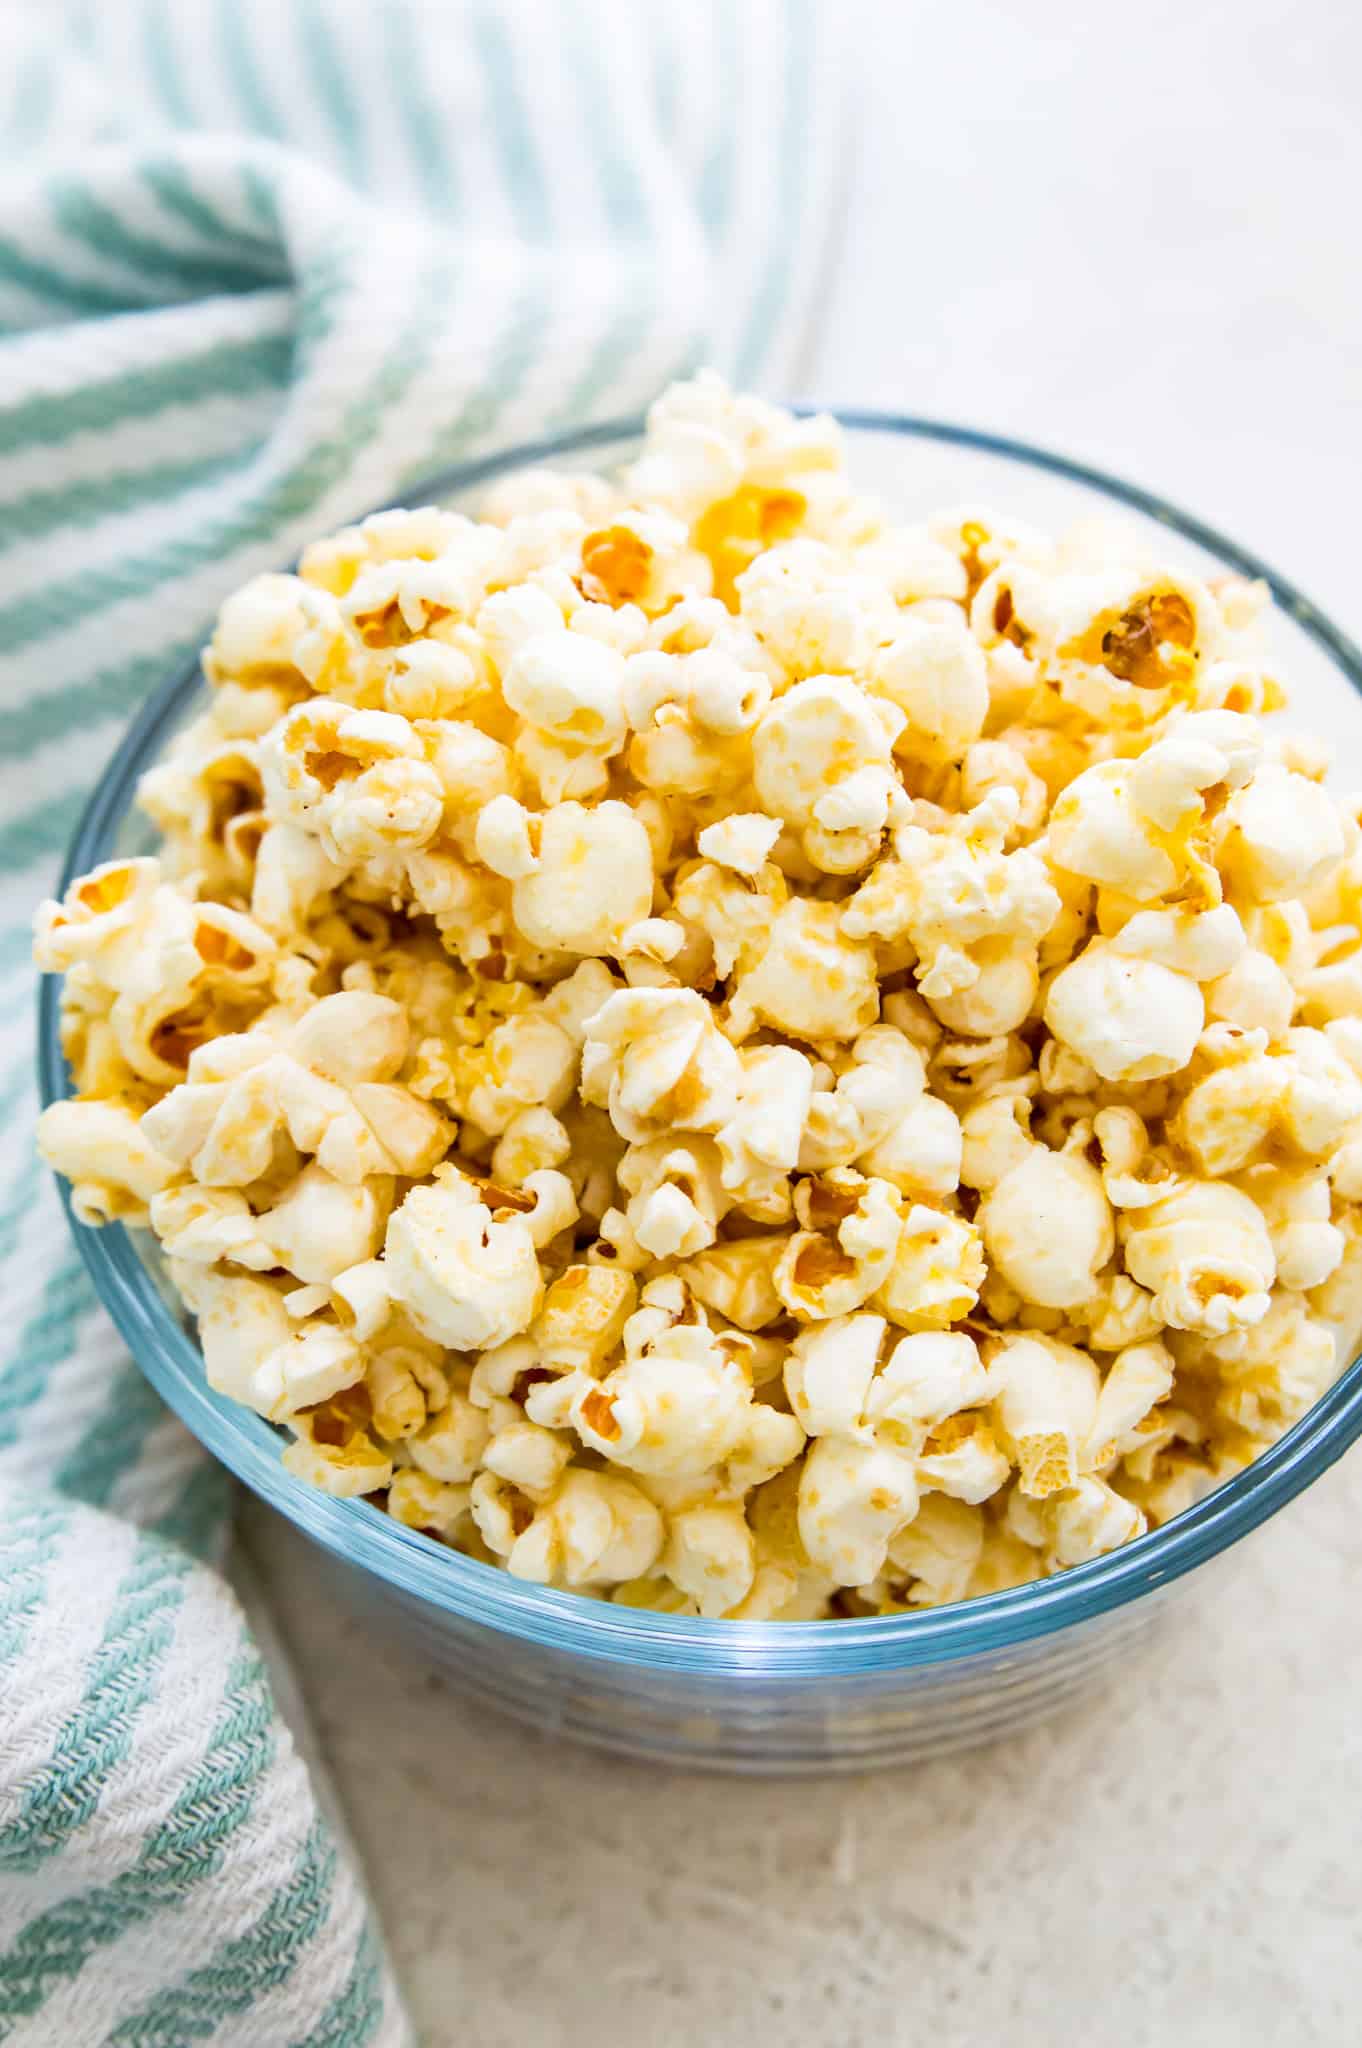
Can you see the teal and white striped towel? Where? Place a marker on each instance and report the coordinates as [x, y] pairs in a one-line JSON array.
[[263, 264]]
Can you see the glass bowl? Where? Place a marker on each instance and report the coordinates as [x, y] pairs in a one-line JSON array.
[[742, 1696]]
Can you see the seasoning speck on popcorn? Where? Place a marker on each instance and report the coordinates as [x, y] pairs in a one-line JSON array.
[[713, 1049]]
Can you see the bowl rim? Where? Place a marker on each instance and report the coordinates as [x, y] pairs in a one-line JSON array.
[[429, 1574]]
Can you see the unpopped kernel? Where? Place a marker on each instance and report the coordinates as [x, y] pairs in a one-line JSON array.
[[719, 1050]]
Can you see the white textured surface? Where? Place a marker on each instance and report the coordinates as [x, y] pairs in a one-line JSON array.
[[1130, 235]]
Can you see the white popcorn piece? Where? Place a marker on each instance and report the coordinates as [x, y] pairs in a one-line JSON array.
[[813, 981], [657, 1060], [315, 1362], [1047, 1227], [1044, 1407], [1097, 831], [1218, 750], [1128, 1017], [1205, 1255], [821, 757], [927, 1378], [597, 1528], [947, 892], [319, 1226], [678, 1407], [582, 1318], [853, 1500], [815, 616], [936, 674], [1001, 994], [528, 1062], [113, 1166], [571, 685], [1278, 836], [1138, 1378], [533, 1140], [594, 879], [963, 1460], [450, 1447], [1088, 1520], [467, 1278], [1296, 1207], [711, 1555], [829, 1370], [825, 1272], [361, 1300], [760, 1142], [1204, 944], [528, 1457], [938, 1552], [430, 1505], [503, 840], [937, 1271], [742, 841], [241, 1321], [205, 1225]]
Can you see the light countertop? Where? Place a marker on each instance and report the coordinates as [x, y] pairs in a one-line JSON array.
[[1131, 236]]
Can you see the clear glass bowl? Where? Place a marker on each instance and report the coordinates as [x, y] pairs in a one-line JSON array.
[[770, 1697]]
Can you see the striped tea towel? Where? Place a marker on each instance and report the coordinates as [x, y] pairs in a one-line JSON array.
[[263, 263]]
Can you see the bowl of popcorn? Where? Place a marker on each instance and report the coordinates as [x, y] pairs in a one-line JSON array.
[[727, 1057]]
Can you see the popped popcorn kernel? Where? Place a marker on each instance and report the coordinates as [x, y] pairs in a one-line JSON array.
[[728, 1054]]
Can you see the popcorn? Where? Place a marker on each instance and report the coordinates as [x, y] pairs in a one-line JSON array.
[[656, 1060], [728, 1054], [450, 1447], [926, 1379], [1096, 830], [937, 1271], [114, 1170], [319, 1226], [526, 1063], [594, 880], [759, 1145], [313, 1363], [1087, 1520], [742, 841], [936, 673], [1205, 1256], [813, 981], [815, 616], [1204, 945], [1044, 1407], [853, 1500], [1128, 1017], [1138, 1378], [820, 1275], [711, 1555], [737, 1280], [828, 1373], [582, 1318], [1296, 1207], [934, 1558], [821, 761], [947, 891], [595, 1529], [1047, 1227], [570, 685], [468, 1277], [1278, 836], [676, 1196], [430, 1505], [678, 1407]]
